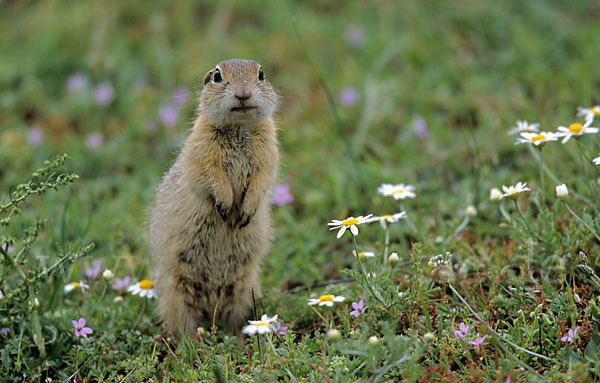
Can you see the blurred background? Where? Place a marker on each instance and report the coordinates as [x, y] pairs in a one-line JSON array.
[[419, 92]]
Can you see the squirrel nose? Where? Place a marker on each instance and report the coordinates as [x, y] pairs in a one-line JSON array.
[[243, 96]]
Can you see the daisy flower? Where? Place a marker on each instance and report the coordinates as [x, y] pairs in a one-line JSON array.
[[388, 218], [325, 300], [576, 130], [537, 139], [349, 223], [495, 194], [524, 127], [144, 288], [514, 191], [597, 160], [262, 326], [363, 254], [588, 113], [399, 191], [76, 285]]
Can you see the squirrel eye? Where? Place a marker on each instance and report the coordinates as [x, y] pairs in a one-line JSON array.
[[261, 75], [217, 76]]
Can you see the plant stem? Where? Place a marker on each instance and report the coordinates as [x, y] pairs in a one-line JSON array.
[[533, 234], [585, 224], [139, 318], [386, 244], [552, 176], [365, 276]]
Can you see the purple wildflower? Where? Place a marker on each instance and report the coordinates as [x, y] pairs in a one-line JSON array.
[[104, 93], [4, 331], [9, 249], [349, 96], [77, 82], [34, 137], [168, 115], [359, 308], [94, 140], [80, 330], [279, 329], [572, 333], [180, 96], [463, 329], [121, 283], [478, 341], [355, 35], [93, 271], [420, 127], [282, 195]]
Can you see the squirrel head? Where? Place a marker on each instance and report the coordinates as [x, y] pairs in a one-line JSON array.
[[237, 91]]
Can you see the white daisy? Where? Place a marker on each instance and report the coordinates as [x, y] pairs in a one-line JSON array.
[[537, 139], [524, 127], [495, 194], [262, 326], [576, 130], [588, 113], [514, 191], [349, 223], [399, 191], [325, 300], [562, 191], [76, 285], [597, 160], [145, 288], [388, 218], [363, 254]]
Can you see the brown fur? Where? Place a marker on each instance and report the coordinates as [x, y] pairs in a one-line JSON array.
[[210, 224]]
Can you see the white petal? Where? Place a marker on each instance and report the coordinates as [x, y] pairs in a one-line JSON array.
[[354, 229], [341, 232]]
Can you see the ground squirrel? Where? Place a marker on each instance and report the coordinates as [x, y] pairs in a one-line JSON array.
[[210, 225]]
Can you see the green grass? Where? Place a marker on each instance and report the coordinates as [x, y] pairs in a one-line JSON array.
[[469, 69]]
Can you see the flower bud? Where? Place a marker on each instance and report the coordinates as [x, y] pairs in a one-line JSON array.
[[373, 340], [108, 275], [200, 331], [562, 191], [118, 299], [471, 211], [334, 334], [393, 258], [429, 337]]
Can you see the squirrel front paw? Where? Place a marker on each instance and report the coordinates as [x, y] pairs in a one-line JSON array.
[[223, 210], [245, 219]]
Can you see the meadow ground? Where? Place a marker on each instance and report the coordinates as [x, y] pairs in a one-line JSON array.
[[415, 92]]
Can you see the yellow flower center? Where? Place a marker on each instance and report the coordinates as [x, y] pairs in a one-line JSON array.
[[361, 254], [350, 221], [398, 191], [387, 216], [261, 324], [575, 128], [538, 137], [75, 285], [595, 111], [327, 297], [146, 284]]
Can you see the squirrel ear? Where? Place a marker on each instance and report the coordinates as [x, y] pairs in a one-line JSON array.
[[208, 76]]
